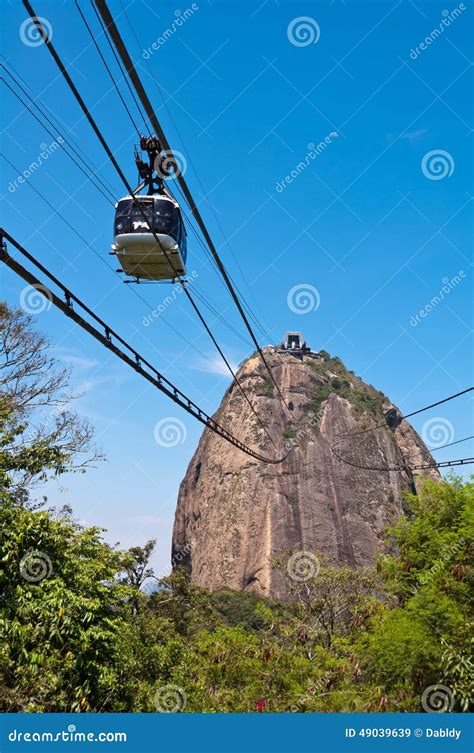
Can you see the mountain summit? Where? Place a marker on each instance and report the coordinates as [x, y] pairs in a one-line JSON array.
[[348, 460]]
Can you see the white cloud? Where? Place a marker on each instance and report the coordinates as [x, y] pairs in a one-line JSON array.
[[408, 136], [215, 365], [70, 357], [413, 135]]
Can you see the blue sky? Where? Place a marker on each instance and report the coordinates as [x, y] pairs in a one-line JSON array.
[[367, 222]]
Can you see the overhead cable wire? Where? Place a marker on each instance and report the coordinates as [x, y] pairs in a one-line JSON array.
[[336, 449], [216, 313], [116, 86], [66, 221], [451, 444], [122, 70], [439, 402], [38, 23], [90, 176], [263, 330], [71, 304], [198, 237], [134, 77], [114, 271], [59, 128], [408, 415]]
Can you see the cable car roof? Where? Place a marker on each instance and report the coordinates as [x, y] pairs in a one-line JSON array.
[[162, 197]]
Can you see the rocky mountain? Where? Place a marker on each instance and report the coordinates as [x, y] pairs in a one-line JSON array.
[[348, 461]]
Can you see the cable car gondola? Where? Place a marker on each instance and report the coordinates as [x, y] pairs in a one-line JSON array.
[[149, 232], [139, 222]]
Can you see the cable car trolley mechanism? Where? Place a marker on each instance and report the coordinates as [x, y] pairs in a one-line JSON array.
[[149, 232]]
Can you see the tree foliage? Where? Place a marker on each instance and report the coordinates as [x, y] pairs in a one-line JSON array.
[[350, 640], [41, 431]]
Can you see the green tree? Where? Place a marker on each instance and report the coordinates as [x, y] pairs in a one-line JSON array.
[[41, 432], [425, 638], [61, 613]]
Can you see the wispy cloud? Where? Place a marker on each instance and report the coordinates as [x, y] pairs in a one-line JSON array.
[[88, 385], [215, 365], [81, 363], [71, 357], [409, 135], [413, 135]]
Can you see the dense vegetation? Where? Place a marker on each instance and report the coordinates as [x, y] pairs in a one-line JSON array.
[[335, 379], [79, 633]]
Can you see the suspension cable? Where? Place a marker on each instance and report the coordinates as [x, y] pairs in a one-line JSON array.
[[459, 441], [97, 131], [90, 177], [122, 71], [216, 313], [111, 340], [405, 467], [134, 77], [91, 34], [408, 415], [115, 272], [263, 330], [68, 139]]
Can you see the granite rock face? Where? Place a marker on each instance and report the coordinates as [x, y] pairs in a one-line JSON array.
[[235, 514]]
